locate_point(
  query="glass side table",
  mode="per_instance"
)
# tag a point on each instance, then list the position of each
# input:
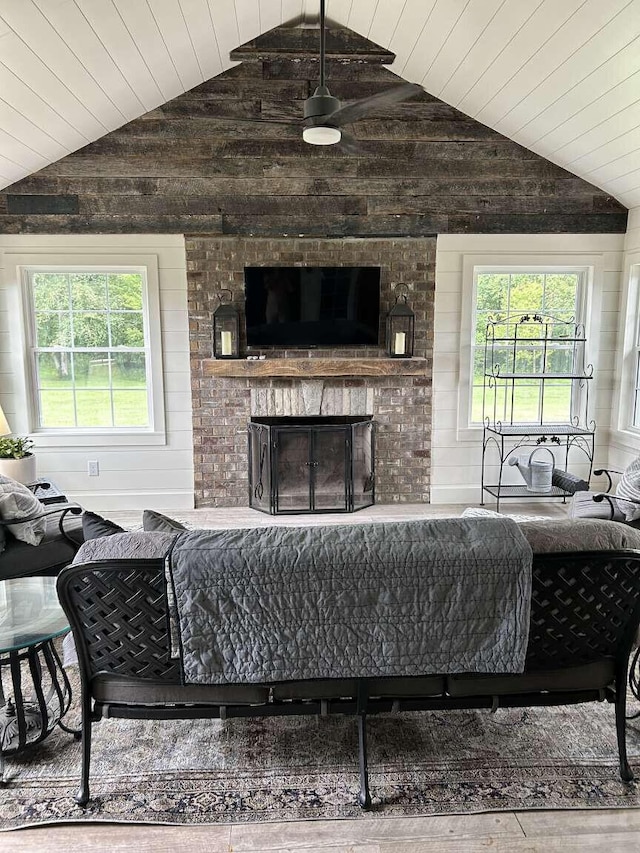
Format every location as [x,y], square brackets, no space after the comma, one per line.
[35,693]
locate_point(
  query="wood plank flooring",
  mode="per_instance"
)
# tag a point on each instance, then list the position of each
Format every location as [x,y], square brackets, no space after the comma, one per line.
[243,516]
[615,830]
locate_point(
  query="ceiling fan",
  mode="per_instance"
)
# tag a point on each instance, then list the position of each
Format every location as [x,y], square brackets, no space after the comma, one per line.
[324,116]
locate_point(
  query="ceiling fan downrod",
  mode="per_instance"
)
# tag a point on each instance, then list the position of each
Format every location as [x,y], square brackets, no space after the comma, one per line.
[322,103]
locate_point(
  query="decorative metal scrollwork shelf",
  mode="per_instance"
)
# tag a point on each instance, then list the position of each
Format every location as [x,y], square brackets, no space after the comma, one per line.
[536,353]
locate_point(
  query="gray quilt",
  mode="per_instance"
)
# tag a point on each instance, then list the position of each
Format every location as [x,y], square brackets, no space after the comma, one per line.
[352,601]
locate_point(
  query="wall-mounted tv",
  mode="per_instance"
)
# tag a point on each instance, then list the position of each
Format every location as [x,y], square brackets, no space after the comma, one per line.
[312,306]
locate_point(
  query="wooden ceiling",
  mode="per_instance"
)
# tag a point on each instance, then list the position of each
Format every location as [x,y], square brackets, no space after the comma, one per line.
[561,77]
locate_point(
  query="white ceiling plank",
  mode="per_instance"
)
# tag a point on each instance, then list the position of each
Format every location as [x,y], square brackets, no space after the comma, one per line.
[616,119]
[12,170]
[540,26]
[198,17]
[248,18]
[630,182]
[141,24]
[612,150]
[630,200]
[361,16]
[20,153]
[614,123]
[337,11]
[385,21]
[433,38]
[292,10]
[226,29]
[609,40]
[109,26]
[171,23]
[80,37]
[270,14]
[592,15]
[487,49]
[29,24]
[41,142]
[616,169]
[474,18]
[606,91]
[29,68]
[413,21]
[16,93]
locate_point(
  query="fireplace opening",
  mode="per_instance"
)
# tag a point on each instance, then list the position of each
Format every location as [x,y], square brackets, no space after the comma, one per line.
[311,464]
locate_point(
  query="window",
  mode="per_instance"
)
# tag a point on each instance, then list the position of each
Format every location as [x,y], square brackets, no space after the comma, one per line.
[501,293]
[635,422]
[90,350]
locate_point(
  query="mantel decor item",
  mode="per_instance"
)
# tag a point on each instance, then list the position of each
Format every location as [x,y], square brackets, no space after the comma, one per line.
[226,328]
[16,459]
[400,326]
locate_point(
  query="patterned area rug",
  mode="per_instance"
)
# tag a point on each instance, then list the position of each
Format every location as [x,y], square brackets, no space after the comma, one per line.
[299,768]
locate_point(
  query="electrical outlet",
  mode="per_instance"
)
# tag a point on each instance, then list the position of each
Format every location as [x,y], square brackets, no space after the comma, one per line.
[93,469]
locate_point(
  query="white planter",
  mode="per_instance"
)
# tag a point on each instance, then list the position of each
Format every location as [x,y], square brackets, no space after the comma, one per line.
[22,470]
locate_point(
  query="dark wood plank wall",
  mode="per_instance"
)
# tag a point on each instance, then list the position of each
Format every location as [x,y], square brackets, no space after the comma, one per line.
[208,163]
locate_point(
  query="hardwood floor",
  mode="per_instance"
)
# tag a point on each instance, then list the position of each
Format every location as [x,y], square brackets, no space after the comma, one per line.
[617,831]
[242,516]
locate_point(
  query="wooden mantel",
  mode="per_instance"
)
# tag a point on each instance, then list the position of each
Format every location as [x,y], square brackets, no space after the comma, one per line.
[306,367]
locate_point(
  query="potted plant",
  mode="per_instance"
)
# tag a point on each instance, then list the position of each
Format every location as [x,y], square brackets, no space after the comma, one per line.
[16,459]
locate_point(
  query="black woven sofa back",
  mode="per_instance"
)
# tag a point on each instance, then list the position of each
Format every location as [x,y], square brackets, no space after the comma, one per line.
[585,607]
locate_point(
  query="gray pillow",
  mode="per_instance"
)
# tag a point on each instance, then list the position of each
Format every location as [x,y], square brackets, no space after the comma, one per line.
[629,487]
[155,521]
[582,534]
[16,501]
[94,526]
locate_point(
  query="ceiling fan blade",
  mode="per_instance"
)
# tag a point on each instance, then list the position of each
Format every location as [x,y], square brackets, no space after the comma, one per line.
[349,144]
[359,109]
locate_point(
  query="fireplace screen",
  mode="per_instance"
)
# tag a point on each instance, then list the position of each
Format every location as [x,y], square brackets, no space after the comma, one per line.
[301,465]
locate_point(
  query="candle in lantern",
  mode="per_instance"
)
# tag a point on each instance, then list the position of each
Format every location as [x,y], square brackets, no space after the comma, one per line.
[399,343]
[225,339]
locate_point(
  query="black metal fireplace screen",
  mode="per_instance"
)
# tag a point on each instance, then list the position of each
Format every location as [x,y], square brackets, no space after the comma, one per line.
[311,464]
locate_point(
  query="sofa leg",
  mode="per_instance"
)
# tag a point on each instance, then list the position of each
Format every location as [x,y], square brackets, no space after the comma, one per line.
[626,773]
[364,797]
[82,797]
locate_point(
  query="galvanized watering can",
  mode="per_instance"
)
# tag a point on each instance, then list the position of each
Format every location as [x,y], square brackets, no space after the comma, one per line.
[536,473]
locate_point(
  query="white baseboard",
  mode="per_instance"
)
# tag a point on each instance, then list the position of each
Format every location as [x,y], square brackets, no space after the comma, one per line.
[108,501]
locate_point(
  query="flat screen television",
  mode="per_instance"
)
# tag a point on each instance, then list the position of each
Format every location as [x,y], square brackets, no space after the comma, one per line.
[312,306]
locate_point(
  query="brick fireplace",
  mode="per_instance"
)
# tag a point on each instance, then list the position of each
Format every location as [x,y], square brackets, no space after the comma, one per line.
[223,405]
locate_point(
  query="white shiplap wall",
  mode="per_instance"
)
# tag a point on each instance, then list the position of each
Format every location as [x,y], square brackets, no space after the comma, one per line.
[456,458]
[625,445]
[131,477]
[561,77]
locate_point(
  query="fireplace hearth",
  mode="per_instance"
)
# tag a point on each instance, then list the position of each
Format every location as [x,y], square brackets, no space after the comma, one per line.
[311,464]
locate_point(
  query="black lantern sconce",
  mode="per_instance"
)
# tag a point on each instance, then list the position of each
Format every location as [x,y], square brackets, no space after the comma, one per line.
[226,328]
[400,326]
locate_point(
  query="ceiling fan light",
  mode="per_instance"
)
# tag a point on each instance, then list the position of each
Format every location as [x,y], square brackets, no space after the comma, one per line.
[321,135]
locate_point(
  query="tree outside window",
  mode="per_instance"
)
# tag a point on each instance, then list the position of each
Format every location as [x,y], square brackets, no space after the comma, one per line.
[90,349]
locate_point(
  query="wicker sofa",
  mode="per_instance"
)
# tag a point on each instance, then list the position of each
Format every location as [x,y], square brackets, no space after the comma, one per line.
[585,613]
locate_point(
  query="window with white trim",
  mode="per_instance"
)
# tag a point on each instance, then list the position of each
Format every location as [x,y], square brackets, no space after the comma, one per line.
[90,349]
[500,293]
[636,390]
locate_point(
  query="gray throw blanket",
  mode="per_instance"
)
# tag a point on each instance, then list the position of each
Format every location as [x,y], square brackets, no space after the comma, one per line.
[352,601]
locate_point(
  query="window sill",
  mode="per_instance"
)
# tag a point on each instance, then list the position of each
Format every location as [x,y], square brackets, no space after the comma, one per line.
[625,439]
[72,439]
